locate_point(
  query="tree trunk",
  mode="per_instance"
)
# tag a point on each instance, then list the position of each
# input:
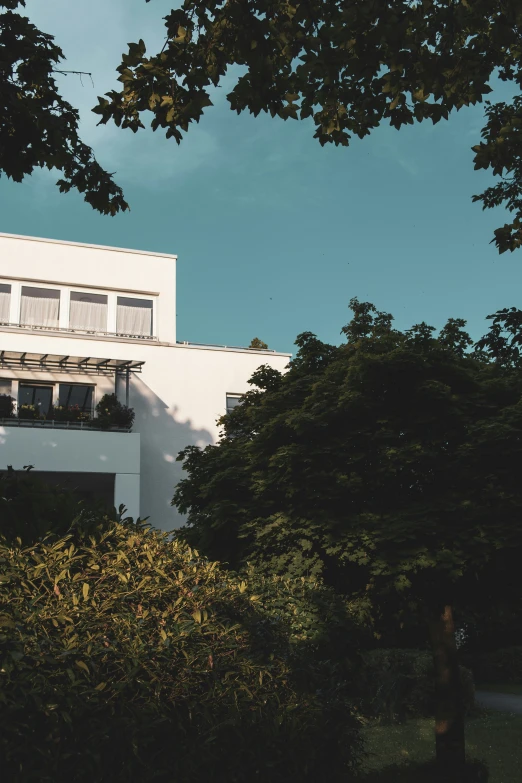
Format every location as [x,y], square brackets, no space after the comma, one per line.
[449,710]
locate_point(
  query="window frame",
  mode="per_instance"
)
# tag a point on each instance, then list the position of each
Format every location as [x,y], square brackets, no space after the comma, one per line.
[231,395]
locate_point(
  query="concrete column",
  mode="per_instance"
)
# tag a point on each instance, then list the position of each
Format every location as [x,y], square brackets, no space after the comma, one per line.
[65,306]
[16,295]
[127,491]
[111,312]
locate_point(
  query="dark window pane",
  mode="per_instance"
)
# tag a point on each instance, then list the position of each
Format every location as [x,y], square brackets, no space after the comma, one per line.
[74,394]
[232,401]
[40,396]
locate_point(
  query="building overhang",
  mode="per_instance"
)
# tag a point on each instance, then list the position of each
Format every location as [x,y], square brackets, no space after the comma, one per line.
[48,362]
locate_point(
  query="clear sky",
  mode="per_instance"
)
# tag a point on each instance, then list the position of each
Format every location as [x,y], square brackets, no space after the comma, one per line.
[274,233]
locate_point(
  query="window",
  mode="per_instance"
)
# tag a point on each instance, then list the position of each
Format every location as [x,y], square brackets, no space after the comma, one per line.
[72,394]
[134,317]
[233,401]
[5,386]
[5,302]
[38,395]
[40,307]
[88,312]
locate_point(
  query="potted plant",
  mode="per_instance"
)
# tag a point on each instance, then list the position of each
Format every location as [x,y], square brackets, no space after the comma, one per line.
[6,406]
[69,413]
[111,413]
[28,412]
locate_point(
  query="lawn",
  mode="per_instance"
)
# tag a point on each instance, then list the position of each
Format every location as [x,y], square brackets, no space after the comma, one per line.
[495,738]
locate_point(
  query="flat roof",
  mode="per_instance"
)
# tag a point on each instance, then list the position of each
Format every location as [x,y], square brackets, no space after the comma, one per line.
[85,244]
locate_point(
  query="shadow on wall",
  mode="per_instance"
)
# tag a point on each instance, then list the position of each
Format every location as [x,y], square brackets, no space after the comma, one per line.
[162,438]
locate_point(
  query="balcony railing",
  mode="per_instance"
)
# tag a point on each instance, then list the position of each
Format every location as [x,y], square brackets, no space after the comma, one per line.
[68,330]
[55,424]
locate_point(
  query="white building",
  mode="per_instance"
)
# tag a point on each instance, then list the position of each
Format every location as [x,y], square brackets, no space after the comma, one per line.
[80,321]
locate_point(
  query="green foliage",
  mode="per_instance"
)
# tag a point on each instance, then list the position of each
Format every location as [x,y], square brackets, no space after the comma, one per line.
[69,413]
[127,656]
[112,413]
[399,684]
[503,665]
[6,406]
[259,344]
[348,66]
[30,508]
[388,464]
[29,412]
[38,128]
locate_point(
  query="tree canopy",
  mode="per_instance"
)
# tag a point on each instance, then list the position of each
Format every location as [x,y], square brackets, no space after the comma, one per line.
[391,456]
[38,128]
[347,64]
[388,465]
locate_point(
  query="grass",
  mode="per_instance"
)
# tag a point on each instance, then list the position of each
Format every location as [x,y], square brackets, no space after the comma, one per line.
[501,687]
[495,738]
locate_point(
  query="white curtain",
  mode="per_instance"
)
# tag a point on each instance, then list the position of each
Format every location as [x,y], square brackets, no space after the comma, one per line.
[89,316]
[39,311]
[134,320]
[5,305]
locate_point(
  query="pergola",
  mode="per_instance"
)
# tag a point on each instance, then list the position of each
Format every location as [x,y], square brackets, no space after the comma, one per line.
[87,365]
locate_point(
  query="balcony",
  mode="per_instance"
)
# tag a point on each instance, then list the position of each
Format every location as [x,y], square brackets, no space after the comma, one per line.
[54,424]
[67,449]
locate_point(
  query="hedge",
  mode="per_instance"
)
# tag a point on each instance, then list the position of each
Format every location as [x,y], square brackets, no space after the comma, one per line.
[396,684]
[504,665]
[126,656]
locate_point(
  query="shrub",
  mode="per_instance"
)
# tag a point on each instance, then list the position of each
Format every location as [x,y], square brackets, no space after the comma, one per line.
[126,656]
[28,412]
[398,684]
[6,406]
[111,413]
[69,413]
[31,508]
[499,666]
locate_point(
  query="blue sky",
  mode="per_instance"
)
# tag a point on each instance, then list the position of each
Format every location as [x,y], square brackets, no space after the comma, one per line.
[275,234]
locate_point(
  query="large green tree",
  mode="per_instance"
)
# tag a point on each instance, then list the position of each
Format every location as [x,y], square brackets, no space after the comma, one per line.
[38,128]
[347,64]
[389,465]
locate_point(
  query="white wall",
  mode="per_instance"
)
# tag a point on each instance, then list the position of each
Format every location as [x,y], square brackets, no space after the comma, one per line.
[91,266]
[177,398]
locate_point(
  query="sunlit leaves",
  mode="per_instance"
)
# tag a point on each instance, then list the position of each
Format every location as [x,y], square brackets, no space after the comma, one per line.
[346,65]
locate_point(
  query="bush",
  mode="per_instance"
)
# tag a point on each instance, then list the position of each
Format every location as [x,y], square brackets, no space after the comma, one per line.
[499,666]
[126,656]
[6,406]
[398,684]
[29,412]
[69,413]
[111,413]
[30,508]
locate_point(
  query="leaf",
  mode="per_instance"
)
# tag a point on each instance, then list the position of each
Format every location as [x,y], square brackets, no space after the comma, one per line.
[100,686]
[85,591]
[83,666]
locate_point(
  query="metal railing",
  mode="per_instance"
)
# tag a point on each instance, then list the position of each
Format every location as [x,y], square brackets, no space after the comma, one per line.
[69,330]
[91,424]
[231,347]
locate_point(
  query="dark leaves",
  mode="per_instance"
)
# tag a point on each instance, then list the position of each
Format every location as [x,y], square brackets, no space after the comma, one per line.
[38,128]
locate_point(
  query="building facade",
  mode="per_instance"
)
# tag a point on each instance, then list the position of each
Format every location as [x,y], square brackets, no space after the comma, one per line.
[78,322]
